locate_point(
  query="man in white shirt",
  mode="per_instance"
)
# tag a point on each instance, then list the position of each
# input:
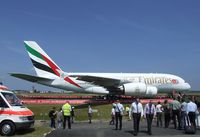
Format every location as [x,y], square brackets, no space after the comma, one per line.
[159,114]
[191,111]
[119,108]
[183,112]
[136,111]
[149,114]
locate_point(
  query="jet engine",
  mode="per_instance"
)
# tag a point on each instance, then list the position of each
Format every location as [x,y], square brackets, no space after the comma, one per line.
[151,90]
[97,90]
[132,89]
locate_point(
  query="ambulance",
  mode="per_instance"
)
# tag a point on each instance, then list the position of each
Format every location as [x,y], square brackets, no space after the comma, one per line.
[13,114]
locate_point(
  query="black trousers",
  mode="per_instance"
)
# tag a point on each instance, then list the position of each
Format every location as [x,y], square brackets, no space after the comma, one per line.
[112,121]
[67,118]
[192,117]
[159,119]
[149,118]
[176,115]
[53,123]
[90,117]
[167,119]
[136,122]
[183,115]
[118,118]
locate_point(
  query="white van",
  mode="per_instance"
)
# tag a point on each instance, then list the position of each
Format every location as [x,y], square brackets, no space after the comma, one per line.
[13,115]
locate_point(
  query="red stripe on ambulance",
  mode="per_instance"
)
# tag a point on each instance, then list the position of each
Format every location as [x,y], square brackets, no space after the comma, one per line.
[20,113]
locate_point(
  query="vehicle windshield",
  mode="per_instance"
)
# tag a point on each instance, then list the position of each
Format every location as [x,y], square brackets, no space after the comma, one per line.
[12,99]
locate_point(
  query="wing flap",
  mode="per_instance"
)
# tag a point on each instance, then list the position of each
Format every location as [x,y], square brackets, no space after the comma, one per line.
[29,77]
[101,81]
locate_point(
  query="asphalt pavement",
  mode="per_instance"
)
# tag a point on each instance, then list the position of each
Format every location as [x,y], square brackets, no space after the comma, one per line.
[103,129]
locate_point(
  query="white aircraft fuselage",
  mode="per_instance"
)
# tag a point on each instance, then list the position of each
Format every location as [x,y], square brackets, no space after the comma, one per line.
[142,84]
[165,83]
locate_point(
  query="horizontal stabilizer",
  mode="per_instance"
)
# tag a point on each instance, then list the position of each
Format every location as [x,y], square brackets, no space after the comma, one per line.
[29,77]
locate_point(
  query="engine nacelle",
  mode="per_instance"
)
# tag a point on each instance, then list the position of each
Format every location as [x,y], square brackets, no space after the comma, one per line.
[97,90]
[135,89]
[131,89]
[151,91]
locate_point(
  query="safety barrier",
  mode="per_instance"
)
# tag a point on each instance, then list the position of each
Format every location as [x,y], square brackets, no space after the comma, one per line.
[78,102]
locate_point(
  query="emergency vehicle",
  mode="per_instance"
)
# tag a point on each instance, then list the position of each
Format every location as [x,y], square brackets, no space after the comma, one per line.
[13,114]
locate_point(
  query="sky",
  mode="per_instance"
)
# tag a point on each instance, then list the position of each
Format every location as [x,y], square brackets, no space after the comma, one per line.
[102,36]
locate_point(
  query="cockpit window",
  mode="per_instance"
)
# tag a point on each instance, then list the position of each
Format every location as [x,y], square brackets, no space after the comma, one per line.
[12,99]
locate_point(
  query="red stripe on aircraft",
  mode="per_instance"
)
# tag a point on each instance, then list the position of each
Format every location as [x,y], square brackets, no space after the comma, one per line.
[55,68]
[52,65]
[71,82]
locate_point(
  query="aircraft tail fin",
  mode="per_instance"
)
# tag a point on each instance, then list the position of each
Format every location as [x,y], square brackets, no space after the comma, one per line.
[43,64]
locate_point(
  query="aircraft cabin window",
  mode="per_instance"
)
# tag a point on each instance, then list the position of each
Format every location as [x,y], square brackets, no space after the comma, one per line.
[3,103]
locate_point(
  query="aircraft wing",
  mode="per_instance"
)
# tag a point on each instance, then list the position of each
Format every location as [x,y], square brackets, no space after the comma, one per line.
[101,81]
[29,77]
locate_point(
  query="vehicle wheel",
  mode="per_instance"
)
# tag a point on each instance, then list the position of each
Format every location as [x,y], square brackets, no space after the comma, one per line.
[7,128]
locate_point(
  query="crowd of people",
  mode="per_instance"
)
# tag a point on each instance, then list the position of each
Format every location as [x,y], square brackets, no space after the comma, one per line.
[175,112]
[65,115]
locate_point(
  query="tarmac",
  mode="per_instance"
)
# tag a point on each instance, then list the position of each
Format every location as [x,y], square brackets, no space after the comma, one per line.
[103,129]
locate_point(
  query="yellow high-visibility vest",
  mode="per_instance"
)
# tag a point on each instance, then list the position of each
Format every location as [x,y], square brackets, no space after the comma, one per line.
[127,108]
[66,109]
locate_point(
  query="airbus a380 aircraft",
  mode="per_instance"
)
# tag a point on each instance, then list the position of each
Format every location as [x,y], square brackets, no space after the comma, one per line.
[142,84]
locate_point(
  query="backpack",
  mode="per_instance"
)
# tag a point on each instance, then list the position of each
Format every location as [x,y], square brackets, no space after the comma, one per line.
[189,128]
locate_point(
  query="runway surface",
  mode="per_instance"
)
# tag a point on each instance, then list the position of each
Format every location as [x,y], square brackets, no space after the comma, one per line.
[103,129]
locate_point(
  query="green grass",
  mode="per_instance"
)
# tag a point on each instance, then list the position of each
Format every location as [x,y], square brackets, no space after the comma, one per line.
[38,131]
[41,111]
[103,112]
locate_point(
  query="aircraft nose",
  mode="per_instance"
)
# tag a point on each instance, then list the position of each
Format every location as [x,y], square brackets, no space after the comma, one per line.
[187,86]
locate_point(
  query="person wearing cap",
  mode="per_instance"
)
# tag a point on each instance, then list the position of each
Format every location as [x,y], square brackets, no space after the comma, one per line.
[136,112]
[149,114]
[66,108]
[119,109]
